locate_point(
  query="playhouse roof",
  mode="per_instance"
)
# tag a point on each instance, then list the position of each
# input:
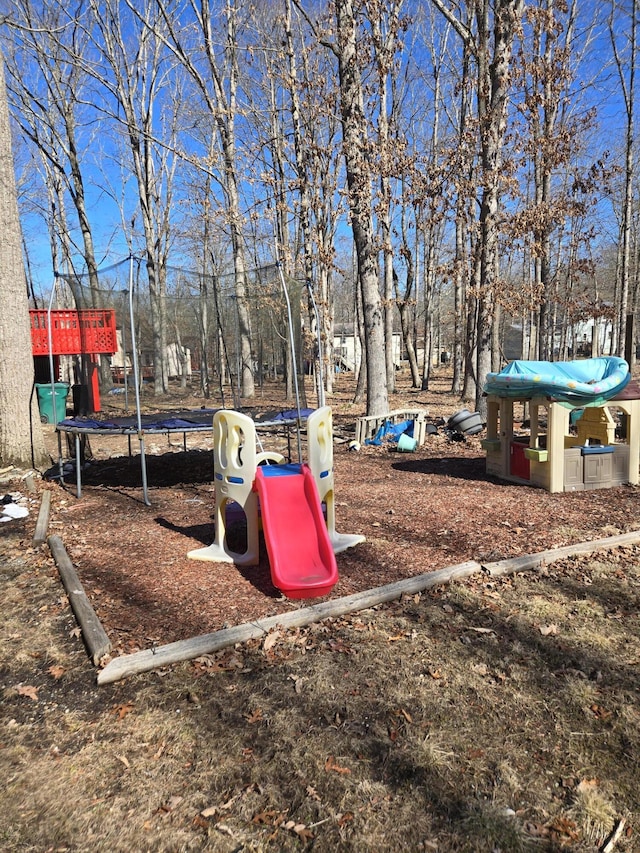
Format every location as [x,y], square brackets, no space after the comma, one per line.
[586,382]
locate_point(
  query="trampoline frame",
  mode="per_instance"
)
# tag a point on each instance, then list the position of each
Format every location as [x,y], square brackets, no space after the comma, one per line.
[153,426]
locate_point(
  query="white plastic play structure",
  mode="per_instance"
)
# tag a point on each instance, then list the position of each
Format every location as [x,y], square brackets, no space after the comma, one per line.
[301,544]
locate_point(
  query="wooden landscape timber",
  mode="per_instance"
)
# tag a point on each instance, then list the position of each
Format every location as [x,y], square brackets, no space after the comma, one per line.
[542,558]
[42,524]
[183,650]
[94,635]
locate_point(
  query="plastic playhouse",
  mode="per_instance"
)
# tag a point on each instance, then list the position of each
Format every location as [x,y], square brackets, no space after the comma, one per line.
[293,502]
[573,442]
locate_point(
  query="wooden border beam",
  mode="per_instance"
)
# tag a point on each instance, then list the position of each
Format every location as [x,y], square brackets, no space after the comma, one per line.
[42,524]
[183,650]
[93,634]
[542,558]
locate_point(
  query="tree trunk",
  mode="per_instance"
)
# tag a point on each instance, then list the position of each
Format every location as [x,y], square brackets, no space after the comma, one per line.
[406,303]
[361,205]
[461,266]
[628,87]
[384,44]
[21,440]
[493,90]
[303,181]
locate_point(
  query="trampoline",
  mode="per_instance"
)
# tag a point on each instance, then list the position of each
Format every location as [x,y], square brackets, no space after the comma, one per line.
[162,423]
[199,420]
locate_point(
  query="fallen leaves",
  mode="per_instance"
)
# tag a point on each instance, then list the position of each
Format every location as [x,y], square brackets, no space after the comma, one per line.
[279,643]
[56,671]
[563,830]
[211,811]
[254,716]
[339,645]
[300,829]
[271,639]
[277,819]
[330,765]
[27,690]
[169,805]
[121,711]
[381,684]
[298,682]
[158,753]
[272,817]
[227,660]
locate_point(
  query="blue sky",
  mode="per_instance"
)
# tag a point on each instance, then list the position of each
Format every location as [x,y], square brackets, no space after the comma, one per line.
[102,172]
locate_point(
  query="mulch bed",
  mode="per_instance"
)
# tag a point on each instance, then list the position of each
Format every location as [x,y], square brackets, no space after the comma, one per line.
[419,511]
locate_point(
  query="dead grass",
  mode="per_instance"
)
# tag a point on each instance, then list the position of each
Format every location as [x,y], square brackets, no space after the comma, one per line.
[451,721]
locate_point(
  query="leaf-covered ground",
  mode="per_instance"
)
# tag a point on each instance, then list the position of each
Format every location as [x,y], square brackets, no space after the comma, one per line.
[489,714]
[419,512]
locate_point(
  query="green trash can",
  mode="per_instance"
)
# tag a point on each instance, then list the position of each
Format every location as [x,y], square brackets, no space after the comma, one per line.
[46,401]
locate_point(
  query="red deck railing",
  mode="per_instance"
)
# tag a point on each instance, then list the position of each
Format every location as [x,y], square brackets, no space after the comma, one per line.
[74,332]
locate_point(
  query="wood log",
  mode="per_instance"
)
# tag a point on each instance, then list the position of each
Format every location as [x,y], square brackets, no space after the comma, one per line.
[615,837]
[542,558]
[95,638]
[42,523]
[182,650]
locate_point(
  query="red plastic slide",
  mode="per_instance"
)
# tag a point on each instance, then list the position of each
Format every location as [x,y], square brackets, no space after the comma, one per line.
[302,561]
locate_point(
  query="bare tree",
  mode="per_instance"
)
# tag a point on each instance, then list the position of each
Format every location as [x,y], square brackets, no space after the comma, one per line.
[406,297]
[313,99]
[625,58]
[546,75]
[386,27]
[217,79]
[21,440]
[47,105]
[491,42]
[464,342]
[359,181]
[133,69]
[430,196]
[48,42]
[559,184]
[302,153]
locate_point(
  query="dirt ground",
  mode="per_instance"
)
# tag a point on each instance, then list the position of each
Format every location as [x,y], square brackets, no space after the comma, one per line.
[483,715]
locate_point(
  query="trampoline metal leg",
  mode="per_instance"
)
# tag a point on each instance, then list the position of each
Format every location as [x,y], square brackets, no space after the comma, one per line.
[78,467]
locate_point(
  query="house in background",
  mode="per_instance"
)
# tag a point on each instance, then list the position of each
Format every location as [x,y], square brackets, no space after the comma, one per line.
[347,350]
[174,362]
[585,339]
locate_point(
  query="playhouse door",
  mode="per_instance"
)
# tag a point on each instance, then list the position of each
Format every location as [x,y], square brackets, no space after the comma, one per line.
[519,464]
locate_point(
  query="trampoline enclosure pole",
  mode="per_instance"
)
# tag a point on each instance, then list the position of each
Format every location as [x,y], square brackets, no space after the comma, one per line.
[293,358]
[319,342]
[136,374]
[52,378]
